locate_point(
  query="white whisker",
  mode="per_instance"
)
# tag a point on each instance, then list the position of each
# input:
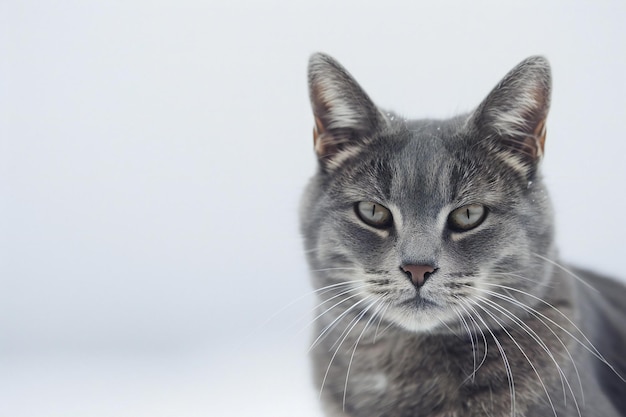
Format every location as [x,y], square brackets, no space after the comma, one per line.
[518,276]
[335,269]
[535,314]
[320,291]
[336,320]
[591,348]
[505,360]
[542,344]
[477,326]
[345,388]
[349,328]
[471,336]
[569,272]
[334,305]
[382,314]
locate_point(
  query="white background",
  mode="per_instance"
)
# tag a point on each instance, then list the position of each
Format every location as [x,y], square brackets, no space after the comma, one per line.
[152,156]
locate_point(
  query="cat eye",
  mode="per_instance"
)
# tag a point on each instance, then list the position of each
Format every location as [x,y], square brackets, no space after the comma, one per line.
[467,217]
[373,214]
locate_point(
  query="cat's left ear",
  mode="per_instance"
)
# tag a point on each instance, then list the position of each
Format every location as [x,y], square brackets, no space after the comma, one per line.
[512,119]
[344,114]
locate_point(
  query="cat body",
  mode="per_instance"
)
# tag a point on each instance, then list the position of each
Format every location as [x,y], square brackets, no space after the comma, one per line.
[432,253]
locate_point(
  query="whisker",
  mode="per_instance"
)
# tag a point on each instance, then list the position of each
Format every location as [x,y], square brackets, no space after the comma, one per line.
[505,360]
[531,311]
[380,320]
[345,388]
[477,326]
[349,328]
[382,332]
[336,269]
[321,291]
[344,331]
[360,287]
[471,336]
[592,349]
[485,344]
[568,271]
[335,305]
[336,320]
[542,344]
[499,323]
[337,285]
[534,281]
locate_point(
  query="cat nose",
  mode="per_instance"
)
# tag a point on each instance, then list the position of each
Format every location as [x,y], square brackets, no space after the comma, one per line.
[418,273]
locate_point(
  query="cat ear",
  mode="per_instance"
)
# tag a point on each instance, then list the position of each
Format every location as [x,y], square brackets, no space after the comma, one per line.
[344,114]
[513,116]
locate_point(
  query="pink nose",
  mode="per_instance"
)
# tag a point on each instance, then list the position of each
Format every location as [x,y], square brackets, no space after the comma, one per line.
[418,273]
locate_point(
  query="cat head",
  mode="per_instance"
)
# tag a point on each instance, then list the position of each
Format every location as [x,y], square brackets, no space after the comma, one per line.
[421,218]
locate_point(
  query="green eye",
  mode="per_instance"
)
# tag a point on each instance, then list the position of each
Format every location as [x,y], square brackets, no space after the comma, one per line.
[467,217]
[373,214]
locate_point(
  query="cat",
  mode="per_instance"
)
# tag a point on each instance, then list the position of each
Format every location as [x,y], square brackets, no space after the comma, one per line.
[432,254]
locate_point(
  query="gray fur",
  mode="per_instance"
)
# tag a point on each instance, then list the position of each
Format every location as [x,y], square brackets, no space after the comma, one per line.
[383,347]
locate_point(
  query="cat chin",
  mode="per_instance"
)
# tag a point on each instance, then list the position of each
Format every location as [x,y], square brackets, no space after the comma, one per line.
[419,327]
[417,320]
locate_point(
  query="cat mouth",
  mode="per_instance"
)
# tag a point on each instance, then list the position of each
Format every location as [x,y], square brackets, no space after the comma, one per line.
[419,302]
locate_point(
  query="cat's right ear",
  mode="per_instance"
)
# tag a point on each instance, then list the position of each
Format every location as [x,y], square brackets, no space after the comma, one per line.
[344,114]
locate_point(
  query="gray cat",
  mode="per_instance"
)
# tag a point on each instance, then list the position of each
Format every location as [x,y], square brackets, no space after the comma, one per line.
[431,245]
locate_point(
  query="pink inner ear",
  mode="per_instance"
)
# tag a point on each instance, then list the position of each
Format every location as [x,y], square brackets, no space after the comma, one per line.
[540,137]
[539,132]
[320,143]
[317,131]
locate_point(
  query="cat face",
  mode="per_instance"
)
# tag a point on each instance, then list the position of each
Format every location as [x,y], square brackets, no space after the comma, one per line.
[420,218]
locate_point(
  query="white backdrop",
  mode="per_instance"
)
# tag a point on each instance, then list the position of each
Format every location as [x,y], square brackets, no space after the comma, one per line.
[152,156]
